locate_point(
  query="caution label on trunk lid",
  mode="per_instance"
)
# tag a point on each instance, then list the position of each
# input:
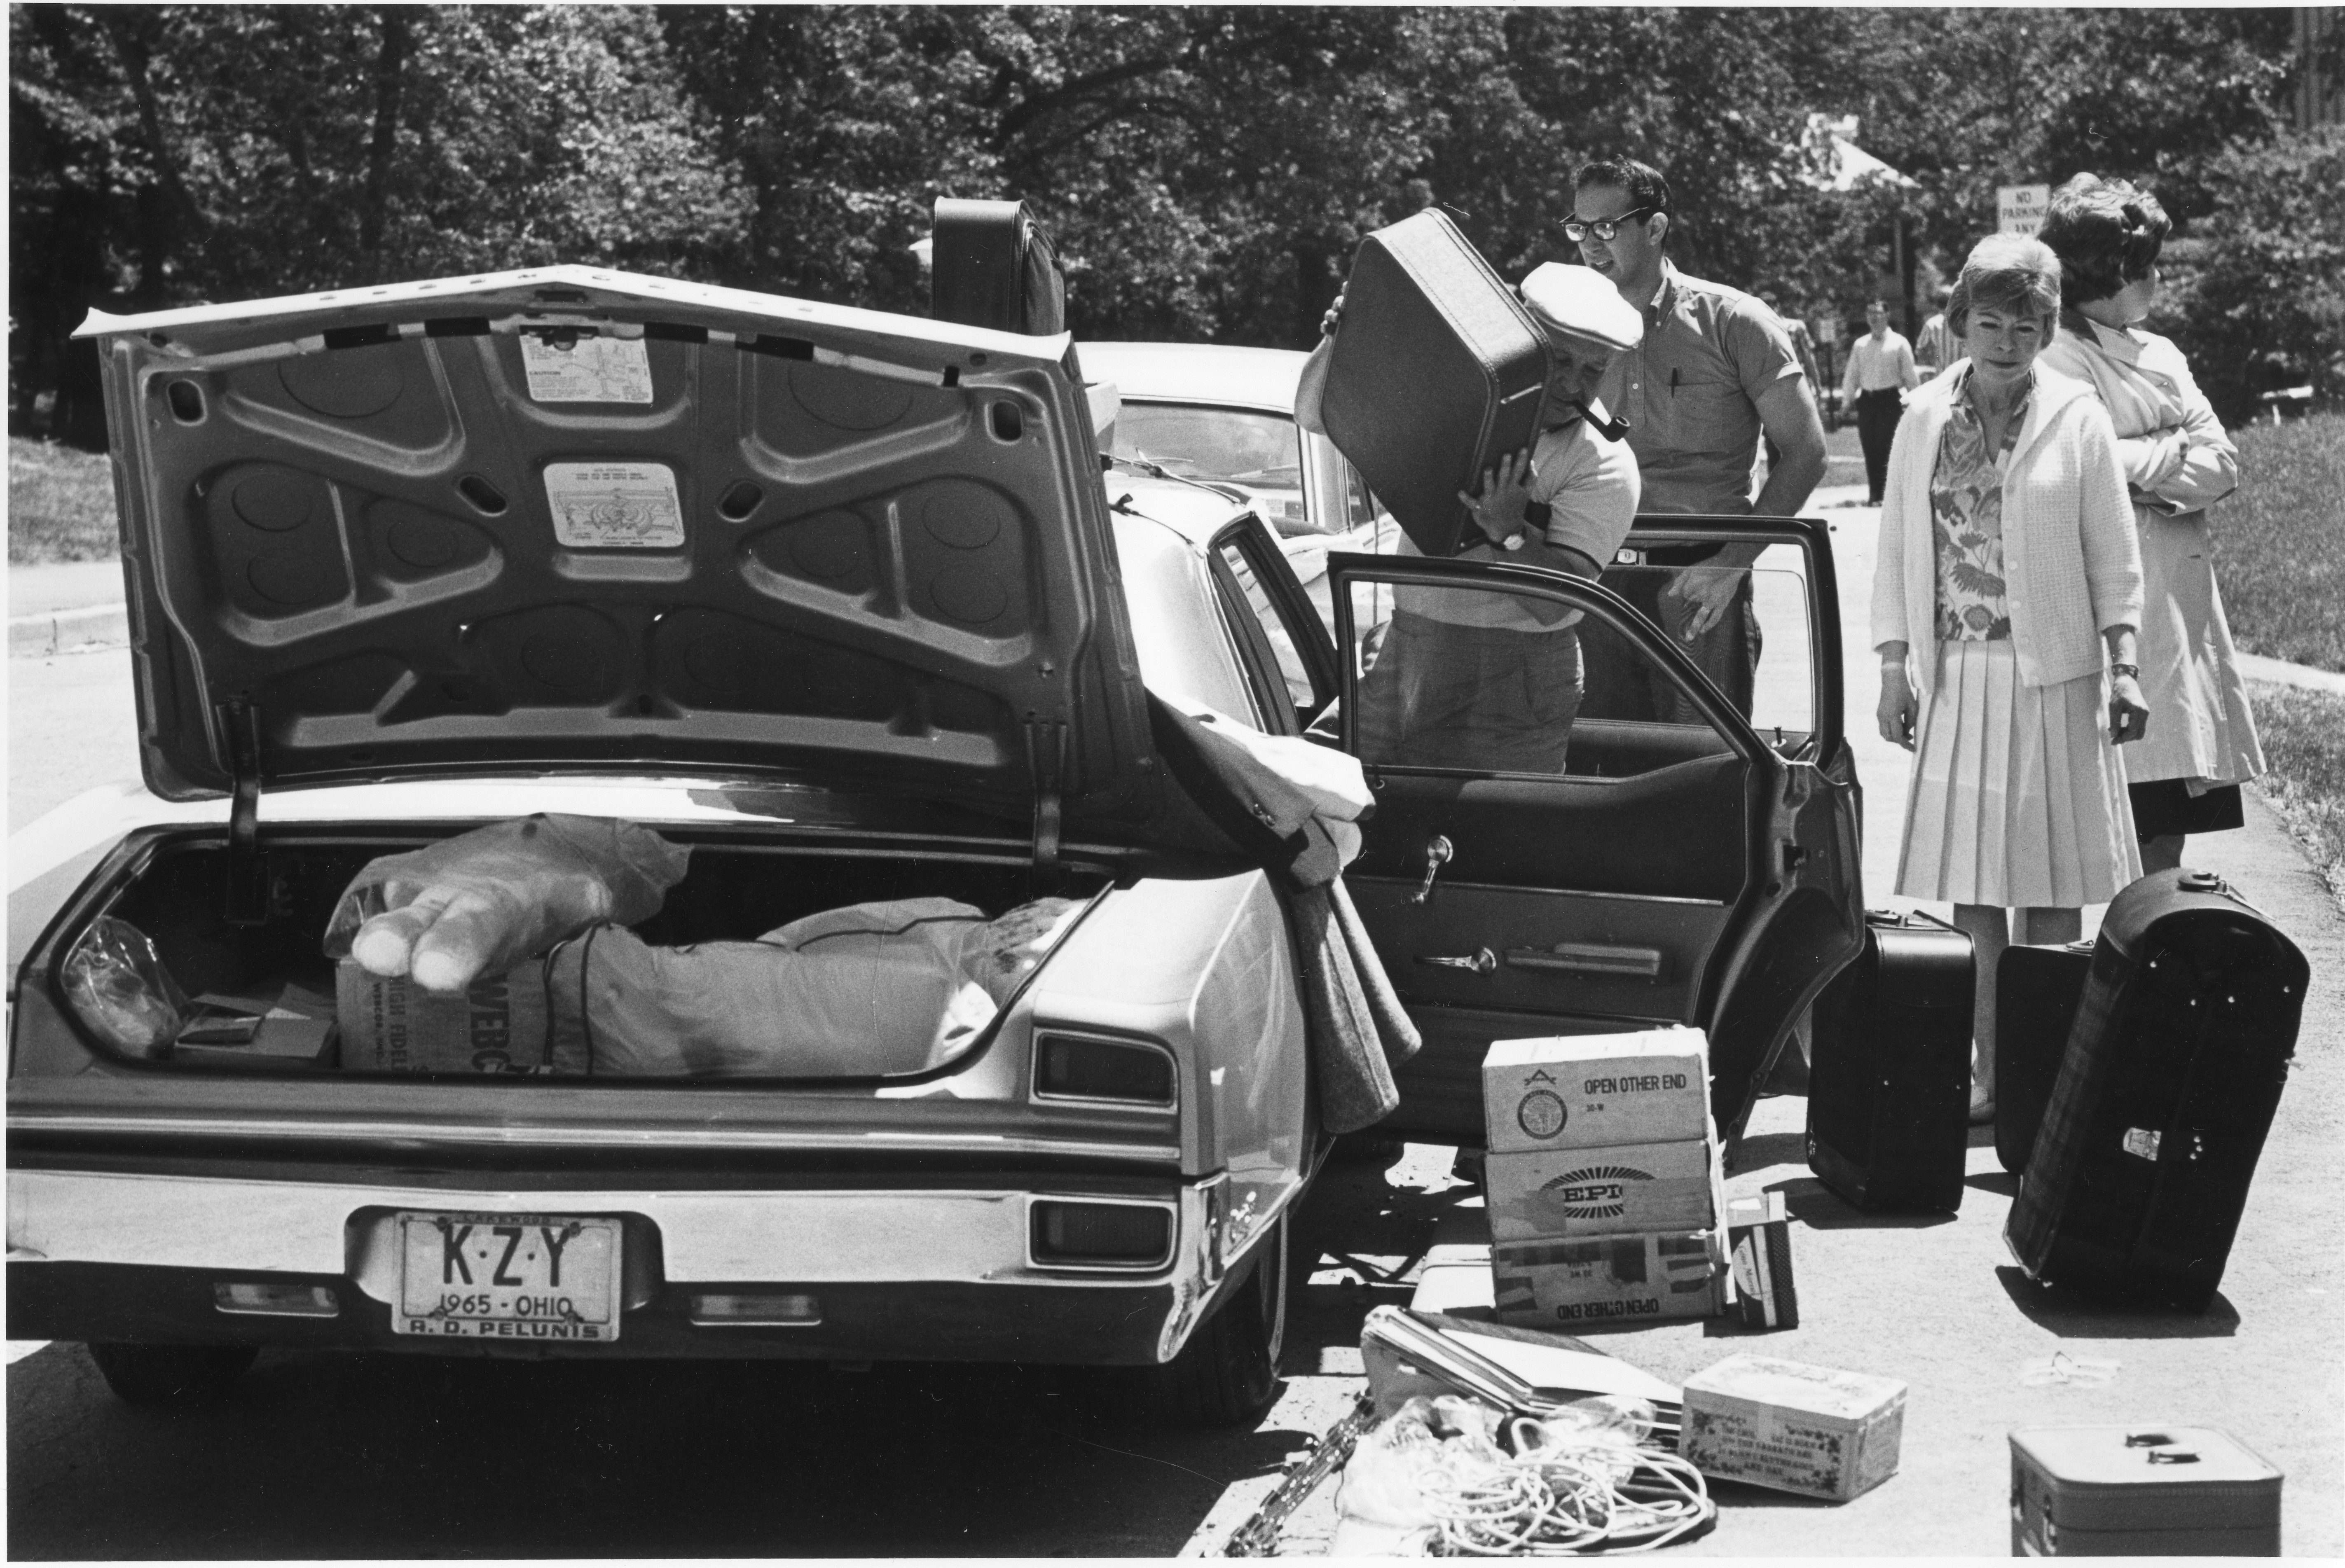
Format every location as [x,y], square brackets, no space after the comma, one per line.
[614,506]
[574,369]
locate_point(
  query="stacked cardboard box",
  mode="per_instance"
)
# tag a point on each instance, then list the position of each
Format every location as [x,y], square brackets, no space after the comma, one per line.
[1603,1178]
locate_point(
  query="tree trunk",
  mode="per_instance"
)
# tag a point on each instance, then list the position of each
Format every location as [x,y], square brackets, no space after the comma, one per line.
[390,69]
[1315,288]
[167,214]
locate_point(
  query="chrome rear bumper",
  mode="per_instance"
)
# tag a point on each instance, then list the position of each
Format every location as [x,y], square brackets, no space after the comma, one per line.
[899,1249]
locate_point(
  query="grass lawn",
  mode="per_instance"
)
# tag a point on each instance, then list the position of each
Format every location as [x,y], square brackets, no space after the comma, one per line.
[60,504]
[2303,734]
[2280,542]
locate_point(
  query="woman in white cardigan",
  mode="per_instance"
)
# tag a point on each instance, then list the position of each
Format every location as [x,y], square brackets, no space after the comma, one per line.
[2184,777]
[2007,569]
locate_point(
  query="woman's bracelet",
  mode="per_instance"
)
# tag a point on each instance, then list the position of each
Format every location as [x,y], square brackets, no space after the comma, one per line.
[2132,670]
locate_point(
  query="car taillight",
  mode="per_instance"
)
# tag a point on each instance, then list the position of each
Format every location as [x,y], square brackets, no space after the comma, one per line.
[1101,1235]
[1128,1072]
[271,1301]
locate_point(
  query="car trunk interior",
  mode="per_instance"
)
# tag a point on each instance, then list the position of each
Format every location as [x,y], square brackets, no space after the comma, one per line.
[736,890]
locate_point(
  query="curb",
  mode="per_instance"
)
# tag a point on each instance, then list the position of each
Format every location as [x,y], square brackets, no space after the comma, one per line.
[69,631]
[2280,672]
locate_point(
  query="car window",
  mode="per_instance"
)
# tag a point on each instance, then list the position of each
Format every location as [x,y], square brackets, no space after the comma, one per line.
[1360,505]
[1254,455]
[1254,615]
[1496,681]
[1780,699]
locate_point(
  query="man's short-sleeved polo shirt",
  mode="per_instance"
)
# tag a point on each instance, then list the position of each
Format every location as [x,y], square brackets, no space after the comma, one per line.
[1689,392]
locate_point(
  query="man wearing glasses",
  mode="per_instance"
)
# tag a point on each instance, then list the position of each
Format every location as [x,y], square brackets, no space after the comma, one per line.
[1715,372]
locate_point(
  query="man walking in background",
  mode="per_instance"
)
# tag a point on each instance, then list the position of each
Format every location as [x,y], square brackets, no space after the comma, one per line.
[1935,349]
[1716,371]
[1880,373]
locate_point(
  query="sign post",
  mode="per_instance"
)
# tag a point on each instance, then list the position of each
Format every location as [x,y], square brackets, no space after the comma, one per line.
[2019,208]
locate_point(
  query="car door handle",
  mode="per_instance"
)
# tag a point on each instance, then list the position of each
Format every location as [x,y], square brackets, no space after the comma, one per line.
[1481,961]
[1437,853]
[1591,958]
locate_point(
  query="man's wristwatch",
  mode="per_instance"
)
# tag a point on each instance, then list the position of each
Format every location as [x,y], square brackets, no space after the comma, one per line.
[1512,542]
[2132,670]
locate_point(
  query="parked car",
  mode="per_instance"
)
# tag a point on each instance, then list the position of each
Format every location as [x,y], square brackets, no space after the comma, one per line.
[839,599]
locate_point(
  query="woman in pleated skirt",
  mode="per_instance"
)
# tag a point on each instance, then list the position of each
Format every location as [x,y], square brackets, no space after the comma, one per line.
[2006,595]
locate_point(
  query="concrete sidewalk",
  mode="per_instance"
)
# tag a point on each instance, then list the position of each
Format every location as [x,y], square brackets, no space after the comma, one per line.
[73,604]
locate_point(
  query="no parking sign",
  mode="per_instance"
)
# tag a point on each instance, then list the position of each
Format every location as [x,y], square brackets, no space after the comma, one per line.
[2019,208]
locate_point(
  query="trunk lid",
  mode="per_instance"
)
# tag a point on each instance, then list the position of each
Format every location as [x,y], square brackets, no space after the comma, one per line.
[569,518]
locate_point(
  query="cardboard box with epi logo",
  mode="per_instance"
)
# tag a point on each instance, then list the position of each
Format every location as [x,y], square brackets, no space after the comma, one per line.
[1590,1091]
[1554,1194]
[393,1025]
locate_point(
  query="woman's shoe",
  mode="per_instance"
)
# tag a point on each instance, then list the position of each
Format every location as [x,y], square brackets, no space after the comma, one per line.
[1982,1106]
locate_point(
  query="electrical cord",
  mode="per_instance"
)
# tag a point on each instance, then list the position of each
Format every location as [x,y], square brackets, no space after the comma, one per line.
[1561,1496]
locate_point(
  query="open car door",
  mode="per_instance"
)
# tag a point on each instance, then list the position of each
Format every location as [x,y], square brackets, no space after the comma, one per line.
[1678,856]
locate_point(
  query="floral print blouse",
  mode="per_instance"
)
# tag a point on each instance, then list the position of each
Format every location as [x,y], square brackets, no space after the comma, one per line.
[1966,515]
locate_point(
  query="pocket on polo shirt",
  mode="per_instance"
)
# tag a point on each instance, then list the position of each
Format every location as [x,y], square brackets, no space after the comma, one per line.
[1699,397]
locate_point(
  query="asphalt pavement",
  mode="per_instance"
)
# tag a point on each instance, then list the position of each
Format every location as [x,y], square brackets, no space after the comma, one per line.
[327,1456]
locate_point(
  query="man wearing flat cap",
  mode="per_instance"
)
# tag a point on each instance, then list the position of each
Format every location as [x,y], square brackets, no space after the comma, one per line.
[1473,678]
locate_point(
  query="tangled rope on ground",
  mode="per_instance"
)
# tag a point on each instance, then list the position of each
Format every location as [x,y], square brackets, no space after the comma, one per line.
[1563,1493]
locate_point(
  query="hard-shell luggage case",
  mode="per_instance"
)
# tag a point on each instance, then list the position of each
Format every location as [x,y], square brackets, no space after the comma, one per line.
[991,263]
[2036,990]
[2173,1071]
[2141,1490]
[1436,373]
[1890,1069]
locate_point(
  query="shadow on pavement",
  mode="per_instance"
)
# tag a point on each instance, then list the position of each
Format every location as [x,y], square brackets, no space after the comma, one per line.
[1743,1494]
[1814,1204]
[1761,1150]
[2001,1183]
[328,1455]
[2072,1316]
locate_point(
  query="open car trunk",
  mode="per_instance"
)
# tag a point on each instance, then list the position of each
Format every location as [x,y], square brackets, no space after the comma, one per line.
[171,887]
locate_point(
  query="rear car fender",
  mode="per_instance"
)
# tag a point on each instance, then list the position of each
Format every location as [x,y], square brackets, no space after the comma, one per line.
[1207,969]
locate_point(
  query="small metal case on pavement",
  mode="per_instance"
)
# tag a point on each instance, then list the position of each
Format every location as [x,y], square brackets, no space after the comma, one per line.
[2144,1491]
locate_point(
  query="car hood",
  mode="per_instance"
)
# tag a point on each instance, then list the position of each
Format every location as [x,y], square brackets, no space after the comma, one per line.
[570,518]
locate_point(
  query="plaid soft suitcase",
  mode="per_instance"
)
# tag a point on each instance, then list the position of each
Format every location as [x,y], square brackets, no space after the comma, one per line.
[2181,1047]
[1436,373]
[1889,1067]
[991,263]
[2036,990]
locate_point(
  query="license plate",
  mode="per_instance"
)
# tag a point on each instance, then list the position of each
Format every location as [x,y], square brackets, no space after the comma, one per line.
[523,1277]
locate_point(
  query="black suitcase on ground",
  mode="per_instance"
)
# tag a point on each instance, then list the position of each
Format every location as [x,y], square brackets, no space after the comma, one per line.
[2173,1071]
[2036,990]
[1436,373]
[991,265]
[1889,1069]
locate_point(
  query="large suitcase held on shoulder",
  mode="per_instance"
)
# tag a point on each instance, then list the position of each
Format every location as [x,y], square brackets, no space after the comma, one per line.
[991,263]
[2171,1077]
[1889,1071]
[2036,990]
[1436,373]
